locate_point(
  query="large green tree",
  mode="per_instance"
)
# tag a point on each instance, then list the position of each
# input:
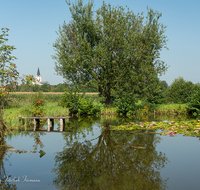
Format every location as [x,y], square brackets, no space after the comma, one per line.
[111,45]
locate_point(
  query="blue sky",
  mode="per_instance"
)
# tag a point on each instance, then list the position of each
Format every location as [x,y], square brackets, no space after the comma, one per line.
[33,25]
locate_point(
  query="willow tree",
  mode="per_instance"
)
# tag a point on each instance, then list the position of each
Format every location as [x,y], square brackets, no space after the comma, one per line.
[111,45]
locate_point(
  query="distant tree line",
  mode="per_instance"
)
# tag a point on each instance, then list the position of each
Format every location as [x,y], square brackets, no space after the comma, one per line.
[91,86]
[180,91]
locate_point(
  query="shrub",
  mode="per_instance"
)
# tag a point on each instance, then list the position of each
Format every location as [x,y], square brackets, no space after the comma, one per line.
[79,103]
[126,104]
[96,107]
[84,106]
[194,104]
[38,102]
[70,99]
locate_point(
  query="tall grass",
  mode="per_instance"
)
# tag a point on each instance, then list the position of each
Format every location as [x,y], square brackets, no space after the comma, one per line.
[53,109]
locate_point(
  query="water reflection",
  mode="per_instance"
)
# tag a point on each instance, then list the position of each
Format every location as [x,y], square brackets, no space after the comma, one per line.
[92,157]
[4,178]
[111,161]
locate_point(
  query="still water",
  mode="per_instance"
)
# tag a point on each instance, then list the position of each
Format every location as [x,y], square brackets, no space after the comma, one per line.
[87,156]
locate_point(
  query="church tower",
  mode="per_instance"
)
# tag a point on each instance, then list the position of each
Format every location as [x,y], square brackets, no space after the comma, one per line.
[38,76]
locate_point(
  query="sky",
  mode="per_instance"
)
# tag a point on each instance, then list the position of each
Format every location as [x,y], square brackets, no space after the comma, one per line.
[33,24]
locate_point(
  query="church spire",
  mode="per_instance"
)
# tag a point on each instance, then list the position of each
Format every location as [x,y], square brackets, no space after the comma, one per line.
[38,72]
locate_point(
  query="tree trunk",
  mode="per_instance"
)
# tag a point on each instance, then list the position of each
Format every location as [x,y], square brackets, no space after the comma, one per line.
[107,96]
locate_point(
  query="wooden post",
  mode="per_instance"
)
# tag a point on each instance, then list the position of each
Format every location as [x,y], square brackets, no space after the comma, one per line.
[34,120]
[52,126]
[61,124]
[49,123]
[38,122]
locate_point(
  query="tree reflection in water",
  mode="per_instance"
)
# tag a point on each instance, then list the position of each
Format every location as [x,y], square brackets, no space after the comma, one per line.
[4,183]
[110,163]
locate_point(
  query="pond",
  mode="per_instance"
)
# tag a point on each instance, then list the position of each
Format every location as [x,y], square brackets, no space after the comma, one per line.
[88,156]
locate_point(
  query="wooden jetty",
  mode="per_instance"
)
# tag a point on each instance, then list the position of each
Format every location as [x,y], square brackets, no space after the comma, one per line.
[50,120]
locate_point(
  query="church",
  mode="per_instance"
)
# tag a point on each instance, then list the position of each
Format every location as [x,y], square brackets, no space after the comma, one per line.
[38,79]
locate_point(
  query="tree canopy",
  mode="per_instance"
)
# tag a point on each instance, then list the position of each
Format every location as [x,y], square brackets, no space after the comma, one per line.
[111,45]
[180,91]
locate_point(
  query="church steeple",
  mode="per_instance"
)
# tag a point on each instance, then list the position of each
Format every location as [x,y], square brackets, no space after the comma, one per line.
[38,76]
[38,72]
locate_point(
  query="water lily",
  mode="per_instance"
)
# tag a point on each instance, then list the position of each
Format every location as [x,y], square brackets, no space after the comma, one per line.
[172,126]
[153,123]
[196,131]
[183,127]
[171,132]
[175,132]
[170,123]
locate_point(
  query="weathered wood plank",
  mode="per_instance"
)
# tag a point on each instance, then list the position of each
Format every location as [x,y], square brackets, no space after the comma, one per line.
[44,117]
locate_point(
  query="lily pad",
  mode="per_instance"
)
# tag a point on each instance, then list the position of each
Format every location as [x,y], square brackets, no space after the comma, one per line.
[188,128]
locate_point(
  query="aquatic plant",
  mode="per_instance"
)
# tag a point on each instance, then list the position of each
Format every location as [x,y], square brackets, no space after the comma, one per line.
[188,128]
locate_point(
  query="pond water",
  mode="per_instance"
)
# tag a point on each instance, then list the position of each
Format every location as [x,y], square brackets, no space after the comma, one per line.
[87,156]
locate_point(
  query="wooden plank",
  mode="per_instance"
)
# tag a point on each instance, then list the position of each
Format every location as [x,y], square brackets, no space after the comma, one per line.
[44,117]
[56,131]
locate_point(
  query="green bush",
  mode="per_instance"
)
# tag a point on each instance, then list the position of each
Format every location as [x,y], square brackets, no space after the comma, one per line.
[194,104]
[70,99]
[38,112]
[84,106]
[38,102]
[96,107]
[79,103]
[126,104]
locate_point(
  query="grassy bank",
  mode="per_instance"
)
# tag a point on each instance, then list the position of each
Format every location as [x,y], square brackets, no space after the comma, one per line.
[11,115]
[20,105]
